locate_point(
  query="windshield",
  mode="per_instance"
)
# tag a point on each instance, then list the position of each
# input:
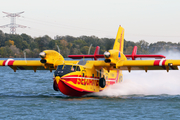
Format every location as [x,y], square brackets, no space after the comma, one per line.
[60,67]
[68,68]
[65,69]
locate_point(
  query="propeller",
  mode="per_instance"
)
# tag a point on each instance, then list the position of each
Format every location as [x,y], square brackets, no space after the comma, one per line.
[58,49]
[89,49]
[25,56]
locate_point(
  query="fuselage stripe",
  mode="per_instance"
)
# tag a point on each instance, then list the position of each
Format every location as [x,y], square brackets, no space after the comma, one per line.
[121,40]
[117,76]
[84,78]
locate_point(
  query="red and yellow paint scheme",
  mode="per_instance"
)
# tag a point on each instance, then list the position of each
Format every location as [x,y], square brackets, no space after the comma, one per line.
[81,77]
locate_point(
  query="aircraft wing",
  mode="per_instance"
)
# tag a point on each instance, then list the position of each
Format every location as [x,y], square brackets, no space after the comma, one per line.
[23,64]
[146,65]
[32,64]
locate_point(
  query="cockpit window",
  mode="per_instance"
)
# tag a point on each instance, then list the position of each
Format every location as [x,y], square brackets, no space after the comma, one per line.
[65,69]
[60,67]
[69,68]
[76,68]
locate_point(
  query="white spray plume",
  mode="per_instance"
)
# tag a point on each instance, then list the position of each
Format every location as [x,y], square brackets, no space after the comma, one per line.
[150,83]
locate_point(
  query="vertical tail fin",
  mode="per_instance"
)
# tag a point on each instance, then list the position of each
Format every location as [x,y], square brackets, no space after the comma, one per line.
[96,52]
[119,42]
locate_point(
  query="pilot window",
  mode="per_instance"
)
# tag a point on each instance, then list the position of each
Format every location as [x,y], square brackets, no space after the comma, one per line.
[69,68]
[60,67]
[75,68]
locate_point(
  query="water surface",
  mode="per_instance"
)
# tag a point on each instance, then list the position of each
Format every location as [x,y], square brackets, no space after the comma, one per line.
[29,95]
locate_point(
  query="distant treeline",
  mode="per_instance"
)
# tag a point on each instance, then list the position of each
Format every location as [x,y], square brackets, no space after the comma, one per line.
[13,45]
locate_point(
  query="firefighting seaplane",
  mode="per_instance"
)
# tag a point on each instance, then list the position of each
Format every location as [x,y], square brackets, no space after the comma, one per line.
[81,77]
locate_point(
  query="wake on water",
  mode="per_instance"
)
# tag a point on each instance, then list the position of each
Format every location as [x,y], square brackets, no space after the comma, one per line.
[150,83]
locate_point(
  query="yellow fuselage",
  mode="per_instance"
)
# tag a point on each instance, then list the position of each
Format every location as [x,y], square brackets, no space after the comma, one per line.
[86,80]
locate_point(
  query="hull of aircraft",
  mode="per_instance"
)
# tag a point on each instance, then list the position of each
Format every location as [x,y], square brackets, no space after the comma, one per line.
[70,90]
[77,86]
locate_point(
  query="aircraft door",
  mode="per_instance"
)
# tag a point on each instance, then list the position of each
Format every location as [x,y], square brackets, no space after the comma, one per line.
[83,77]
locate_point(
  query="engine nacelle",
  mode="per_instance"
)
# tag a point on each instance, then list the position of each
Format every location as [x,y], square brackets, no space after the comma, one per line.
[50,58]
[113,56]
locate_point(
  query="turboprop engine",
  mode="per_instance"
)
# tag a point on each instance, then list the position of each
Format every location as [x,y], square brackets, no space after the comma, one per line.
[113,56]
[51,58]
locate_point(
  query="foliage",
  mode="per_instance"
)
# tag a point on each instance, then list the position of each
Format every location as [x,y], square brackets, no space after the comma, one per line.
[15,45]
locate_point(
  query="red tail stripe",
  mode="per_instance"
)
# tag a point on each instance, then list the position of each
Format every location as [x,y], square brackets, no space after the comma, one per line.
[121,41]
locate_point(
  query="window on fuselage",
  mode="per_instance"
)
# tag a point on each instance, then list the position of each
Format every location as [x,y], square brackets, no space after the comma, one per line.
[92,75]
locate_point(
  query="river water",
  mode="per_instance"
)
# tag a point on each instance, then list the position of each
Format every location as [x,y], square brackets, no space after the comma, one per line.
[29,95]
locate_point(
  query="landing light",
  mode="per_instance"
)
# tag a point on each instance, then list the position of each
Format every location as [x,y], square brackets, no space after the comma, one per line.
[42,54]
[107,54]
[170,64]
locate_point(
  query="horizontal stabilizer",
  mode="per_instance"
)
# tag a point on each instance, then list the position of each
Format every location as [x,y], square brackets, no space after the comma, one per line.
[134,55]
[145,56]
[85,56]
[95,56]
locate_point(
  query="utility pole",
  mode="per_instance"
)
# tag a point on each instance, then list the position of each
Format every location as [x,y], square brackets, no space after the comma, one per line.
[13,24]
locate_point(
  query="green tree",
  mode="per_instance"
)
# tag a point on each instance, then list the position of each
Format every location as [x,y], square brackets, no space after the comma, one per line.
[5,52]
[25,45]
[43,42]
[84,50]
[143,47]
[2,38]
[52,44]
[27,38]
[128,47]
[33,45]
[18,40]
[9,43]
